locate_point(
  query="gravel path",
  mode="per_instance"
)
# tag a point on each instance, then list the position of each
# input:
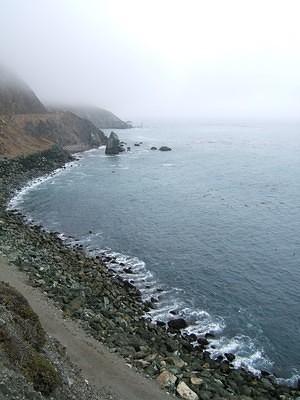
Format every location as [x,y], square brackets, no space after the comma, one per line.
[106,371]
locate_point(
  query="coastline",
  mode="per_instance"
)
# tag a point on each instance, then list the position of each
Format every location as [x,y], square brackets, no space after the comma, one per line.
[111,309]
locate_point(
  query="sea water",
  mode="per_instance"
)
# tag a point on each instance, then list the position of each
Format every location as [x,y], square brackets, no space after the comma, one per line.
[209,229]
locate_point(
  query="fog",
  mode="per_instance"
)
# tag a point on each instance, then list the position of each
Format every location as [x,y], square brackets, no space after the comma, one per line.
[158,59]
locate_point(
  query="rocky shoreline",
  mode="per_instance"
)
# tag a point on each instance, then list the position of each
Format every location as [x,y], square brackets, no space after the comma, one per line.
[111,309]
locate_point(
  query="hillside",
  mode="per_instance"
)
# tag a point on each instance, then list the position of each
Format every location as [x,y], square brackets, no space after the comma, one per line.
[28,133]
[13,142]
[16,97]
[26,126]
[101,118]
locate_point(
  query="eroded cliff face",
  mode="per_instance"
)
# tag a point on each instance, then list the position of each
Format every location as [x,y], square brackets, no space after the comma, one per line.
[65,129]
[27,127]
[23,134]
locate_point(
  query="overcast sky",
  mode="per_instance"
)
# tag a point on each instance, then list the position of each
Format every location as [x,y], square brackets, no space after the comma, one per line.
[158,58]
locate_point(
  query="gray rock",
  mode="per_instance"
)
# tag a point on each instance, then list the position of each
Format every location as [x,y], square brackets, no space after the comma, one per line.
[177,324]
[113,144]
[166,379]
[165,148]
[185,392]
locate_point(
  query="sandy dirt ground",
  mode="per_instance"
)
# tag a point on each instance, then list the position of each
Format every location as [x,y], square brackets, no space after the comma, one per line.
[106,371]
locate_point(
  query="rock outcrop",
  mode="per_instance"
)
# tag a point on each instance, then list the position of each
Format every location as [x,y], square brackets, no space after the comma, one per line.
[27,127]
[113,144]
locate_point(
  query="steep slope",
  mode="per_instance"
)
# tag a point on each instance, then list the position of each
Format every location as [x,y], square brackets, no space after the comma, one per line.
[101,118]
[28,133]
[16,97]
[27,127]
[13,142]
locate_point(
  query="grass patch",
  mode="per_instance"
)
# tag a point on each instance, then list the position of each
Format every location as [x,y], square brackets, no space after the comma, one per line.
[22,338]
[23,315]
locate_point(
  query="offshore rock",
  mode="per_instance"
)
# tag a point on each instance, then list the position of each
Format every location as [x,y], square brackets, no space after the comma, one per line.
[113,144]
[165,148]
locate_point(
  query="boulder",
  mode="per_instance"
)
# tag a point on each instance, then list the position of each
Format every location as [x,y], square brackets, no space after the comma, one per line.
[165,148]
[202,341]
[153,148]
[176,361]
[185,392]
[230,357]
[166,379]
[175,325]
[113,144]
[196,380]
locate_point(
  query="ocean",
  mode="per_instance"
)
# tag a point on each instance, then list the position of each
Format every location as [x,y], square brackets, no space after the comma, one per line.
[210,230]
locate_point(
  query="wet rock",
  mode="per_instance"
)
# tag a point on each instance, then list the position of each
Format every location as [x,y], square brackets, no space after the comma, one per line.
[230,357]
[175,325]
[153,148]
[128,270]
[185,392]
[165,148]
[224,367]
[191,337]
[202,341]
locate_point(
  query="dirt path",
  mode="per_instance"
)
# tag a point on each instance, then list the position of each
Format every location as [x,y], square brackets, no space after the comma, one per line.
[106,371]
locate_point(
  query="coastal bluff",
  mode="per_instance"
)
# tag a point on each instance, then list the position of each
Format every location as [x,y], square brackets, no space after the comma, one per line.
[27,126]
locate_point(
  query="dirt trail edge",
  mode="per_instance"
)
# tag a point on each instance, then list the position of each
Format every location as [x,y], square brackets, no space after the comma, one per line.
[105,370]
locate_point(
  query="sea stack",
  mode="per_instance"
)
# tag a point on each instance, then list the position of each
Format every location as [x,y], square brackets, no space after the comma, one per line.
[113,144]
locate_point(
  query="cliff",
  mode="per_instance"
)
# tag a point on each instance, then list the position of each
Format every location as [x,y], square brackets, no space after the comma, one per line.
[27,127]
[101,118]
[63,128]
[23,134]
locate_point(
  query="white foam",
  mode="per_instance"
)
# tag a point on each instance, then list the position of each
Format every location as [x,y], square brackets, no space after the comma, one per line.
[169,304]
[246,353]
[17,199]
[292,381]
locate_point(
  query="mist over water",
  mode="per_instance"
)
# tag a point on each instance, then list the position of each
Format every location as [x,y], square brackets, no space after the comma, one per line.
[214,224]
